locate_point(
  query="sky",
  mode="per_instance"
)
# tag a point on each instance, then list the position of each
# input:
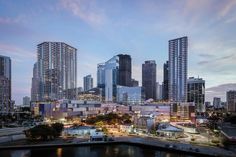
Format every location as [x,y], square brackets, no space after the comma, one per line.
[100,29]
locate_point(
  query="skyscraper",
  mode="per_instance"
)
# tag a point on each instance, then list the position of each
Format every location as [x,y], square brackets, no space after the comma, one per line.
[217,102]
[124,76]
[57,69]
[111,78]
[35,84]
[88,82]
[196,93]
[149,79]
[178,51]
[231,101]
[115,71]
[26,101]
[5,84]
[159,91]
[165,91]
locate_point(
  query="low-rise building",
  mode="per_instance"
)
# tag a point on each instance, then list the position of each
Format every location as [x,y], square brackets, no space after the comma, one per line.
[144,123]
[97,136]
[166,129]
[228,133]
[182,111]
[80,131]
[126,128]
[231,101]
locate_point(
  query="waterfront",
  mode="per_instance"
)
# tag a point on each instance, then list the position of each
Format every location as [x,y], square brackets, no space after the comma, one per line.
[121,150]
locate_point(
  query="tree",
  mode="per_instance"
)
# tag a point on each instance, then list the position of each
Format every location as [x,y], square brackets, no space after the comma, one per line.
[40,132]
[99,124]
[104,129]
[58,128]
[44,132]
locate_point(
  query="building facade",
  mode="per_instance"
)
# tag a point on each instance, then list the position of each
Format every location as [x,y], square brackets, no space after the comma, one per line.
[180,111]
[26,101]
[149,79]
[6,104]
[116,71]
[125,66]
[159,91]
[196,93]
[231,101]
[165,90]
[134,83]
[178,51]
[35,84]
[57,69]
[88,82]
[217,102]
[130,95]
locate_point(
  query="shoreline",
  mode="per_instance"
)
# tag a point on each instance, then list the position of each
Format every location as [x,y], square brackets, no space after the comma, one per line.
[137,141]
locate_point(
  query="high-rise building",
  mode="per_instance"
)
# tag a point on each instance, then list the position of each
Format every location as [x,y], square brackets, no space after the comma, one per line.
[149,79]
[88,82]
[116,71]
[134,83]
[165,90]
[216,103]
[208,104]
[101,77]
[26,101]
[6,104]
[124,76]
[231,101]
[178,51]
[196,93]
[57,69]
[159,91]
[35,84]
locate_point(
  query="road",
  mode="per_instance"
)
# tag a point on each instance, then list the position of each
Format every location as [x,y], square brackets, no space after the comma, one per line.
[214,151]
[12,131]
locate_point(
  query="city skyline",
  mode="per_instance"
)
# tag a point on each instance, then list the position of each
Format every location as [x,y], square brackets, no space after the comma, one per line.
[100,31]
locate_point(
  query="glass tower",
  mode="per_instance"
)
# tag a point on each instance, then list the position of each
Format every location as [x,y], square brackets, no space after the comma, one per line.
[57,69]
[178,51]
[88,82]
[165,91]
[196,93]
[115,71]
[149,79]
[5,85]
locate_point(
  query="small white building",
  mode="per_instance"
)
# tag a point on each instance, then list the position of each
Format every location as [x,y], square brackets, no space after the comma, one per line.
[80,131]
[97,136]
[126,128]
[166,129]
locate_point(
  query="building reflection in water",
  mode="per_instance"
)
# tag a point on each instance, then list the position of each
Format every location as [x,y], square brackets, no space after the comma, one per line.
[59,152]
[20,153]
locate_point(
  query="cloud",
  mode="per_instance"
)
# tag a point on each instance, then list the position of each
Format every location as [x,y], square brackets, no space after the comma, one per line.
[227,7]
[219,91]
[230,20]
[206,55]
[86,10]
[7,20]
[19,19]
[15,52]
[203,62]
[219,59]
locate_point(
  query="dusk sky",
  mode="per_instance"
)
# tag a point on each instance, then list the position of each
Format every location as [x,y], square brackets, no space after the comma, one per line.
[100,29]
